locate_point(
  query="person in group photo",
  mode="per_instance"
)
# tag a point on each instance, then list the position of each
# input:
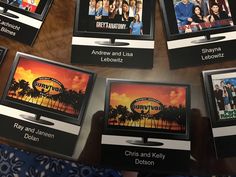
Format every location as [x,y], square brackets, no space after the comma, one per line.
[112,8]
[125,11]
[230,94]
[222,5]
[184,12]
[222,84]
[115,10]
[10,1]
[132,8]
[119,4]
[92,7]
[234,96]
[98,13]
[136,26]
[139,9]
[203,6]
[198,18]
[105,8]
[226,99]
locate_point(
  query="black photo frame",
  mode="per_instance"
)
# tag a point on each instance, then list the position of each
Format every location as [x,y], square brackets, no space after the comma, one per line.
[221,114]
[3,51]
[83,23]
[135,112]
[38,109]
[171,25]
[145,132]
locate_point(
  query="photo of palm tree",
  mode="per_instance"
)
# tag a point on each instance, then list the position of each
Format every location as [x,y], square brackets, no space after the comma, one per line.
[159,107]
[50,86]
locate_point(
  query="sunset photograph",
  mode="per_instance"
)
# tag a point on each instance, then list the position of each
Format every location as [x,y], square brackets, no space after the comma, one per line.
[155,106]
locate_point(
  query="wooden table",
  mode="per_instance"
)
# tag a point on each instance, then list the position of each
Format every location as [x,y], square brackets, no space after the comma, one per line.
[54,42]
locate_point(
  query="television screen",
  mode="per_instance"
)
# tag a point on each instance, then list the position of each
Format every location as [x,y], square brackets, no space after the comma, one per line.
[123,17]
[147,107]
[3,52]
[196,17]
[220,88]
[47,88]
[33,8]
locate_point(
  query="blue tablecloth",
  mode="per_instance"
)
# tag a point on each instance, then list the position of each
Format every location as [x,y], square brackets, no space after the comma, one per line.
[19,163]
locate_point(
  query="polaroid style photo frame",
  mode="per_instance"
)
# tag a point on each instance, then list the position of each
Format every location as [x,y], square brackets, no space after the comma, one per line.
[206,29]
[117,33]
[221,103]
[3,52]
[146,125]
[21,20]
[47,100]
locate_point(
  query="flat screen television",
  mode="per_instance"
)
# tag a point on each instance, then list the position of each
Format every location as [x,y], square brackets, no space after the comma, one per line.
[115,19]
[191,18]
[32,8]
[220,87]
[47,88]
[147,110]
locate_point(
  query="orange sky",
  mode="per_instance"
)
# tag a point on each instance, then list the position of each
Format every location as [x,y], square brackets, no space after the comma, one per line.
[29,70]
[125,93]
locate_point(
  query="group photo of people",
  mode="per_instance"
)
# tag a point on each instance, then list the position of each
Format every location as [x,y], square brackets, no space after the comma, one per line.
[197,15]
[225,94]
[119,11]
[28,5]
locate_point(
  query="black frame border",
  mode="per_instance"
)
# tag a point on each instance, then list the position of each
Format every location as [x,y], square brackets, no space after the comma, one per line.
[209,97]
[118,131]
[53,115]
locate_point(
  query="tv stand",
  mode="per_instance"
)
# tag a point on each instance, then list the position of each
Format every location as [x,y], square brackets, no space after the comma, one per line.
[3,11]
[36,119]
[144,142]
[208,38]
[112,42]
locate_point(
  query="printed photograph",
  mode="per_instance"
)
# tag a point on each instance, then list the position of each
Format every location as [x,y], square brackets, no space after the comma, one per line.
[50,86]
[199,15]
[224,87]
[149,106]
[28,5]
[122,15]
